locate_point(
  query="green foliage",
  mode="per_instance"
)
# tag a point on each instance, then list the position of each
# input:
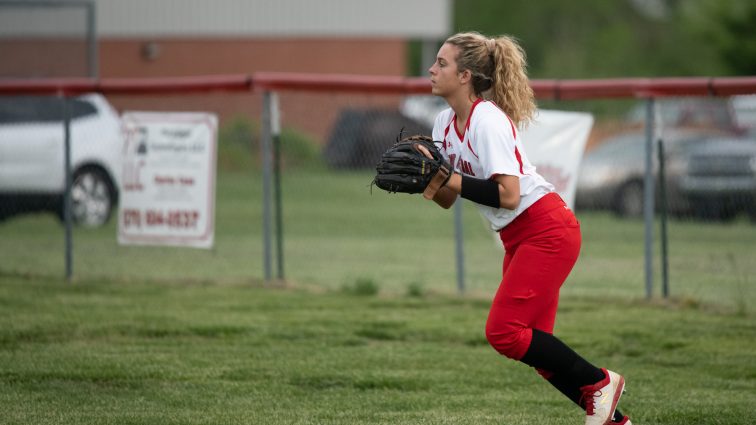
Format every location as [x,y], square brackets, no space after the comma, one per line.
[238,144]
[415,289]
[414,58]
[362,286]
[299,150]
[239,147]
[600,39]
[729,26]
[240,131]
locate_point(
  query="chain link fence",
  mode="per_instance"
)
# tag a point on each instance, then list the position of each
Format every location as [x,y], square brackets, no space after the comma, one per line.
[337,232]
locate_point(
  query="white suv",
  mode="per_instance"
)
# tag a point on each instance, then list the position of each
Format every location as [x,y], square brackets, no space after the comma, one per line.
[32,156]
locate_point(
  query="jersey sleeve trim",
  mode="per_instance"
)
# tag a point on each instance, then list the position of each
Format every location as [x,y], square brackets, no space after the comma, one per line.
[514,131]
[446,131]
[469,146]
[519,158]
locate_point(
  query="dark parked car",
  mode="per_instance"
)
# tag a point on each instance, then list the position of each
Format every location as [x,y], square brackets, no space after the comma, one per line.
[706,175]
[360,136]
[720,179]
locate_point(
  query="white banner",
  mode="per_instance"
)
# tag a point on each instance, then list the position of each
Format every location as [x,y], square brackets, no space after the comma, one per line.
[555,143]
[169,169]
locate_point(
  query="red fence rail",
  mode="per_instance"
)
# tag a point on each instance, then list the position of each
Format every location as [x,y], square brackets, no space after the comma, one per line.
[273,81]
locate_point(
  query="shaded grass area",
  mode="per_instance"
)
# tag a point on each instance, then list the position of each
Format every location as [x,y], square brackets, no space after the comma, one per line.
[145,353]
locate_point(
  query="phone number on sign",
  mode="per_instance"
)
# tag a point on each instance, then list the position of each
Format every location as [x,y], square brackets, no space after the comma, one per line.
[183,219]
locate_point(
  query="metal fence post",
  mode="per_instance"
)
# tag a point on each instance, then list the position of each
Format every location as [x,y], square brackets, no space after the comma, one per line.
[275,126]
[648,197]
[67,216]
[663,213]
[92,64]
[267,162]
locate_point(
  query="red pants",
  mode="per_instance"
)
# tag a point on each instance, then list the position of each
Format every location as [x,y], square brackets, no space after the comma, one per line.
[542,245]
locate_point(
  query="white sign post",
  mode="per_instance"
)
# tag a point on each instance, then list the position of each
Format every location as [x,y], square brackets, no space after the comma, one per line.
[169,169]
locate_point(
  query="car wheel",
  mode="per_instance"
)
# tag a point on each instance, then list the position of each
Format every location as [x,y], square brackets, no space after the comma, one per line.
[92,197]
[629,200]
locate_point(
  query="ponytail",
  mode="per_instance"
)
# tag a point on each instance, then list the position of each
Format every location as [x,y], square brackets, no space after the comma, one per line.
[498,69]
[511,89]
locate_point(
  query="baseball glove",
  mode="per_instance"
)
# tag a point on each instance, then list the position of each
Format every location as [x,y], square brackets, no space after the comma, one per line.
[405,168]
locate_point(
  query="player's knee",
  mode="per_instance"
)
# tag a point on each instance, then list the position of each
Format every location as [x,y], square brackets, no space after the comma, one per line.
[509,342]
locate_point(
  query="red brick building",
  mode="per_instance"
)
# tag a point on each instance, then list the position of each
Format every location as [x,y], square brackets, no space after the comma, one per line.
[165,38]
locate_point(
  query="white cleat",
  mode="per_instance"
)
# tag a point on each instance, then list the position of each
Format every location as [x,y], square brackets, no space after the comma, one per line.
[625,421]
[602,397]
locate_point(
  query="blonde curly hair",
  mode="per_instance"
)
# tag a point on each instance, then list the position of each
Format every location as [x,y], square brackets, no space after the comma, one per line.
[498,68]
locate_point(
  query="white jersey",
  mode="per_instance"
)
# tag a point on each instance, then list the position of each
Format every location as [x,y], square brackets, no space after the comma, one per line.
[489,146]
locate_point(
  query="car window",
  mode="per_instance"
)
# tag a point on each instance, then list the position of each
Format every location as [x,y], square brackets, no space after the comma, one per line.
[21,109]
[745,110]
[709,112]
[631,148]
[40,109]
[620,147]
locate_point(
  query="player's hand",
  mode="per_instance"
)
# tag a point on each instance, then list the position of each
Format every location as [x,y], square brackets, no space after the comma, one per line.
[424,151]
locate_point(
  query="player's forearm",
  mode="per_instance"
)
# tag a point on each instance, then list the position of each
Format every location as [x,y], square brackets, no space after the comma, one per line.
[501,192]
[445,197]
[509,191]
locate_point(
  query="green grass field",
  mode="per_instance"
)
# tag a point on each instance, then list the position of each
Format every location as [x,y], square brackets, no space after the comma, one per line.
[367,328]
[145,353]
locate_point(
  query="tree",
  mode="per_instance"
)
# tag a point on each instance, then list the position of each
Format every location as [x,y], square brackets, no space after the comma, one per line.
[729,27]
[598,38]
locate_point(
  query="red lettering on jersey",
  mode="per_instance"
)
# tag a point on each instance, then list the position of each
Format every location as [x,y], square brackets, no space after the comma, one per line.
[458,163]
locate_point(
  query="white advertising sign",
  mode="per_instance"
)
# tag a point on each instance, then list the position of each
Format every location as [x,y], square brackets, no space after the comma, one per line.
[168,194]
[555,143]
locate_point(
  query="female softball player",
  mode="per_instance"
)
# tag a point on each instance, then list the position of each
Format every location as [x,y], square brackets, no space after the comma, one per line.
[485,84]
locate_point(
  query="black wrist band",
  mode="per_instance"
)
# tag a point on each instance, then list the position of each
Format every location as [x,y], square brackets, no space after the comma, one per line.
[484,192]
